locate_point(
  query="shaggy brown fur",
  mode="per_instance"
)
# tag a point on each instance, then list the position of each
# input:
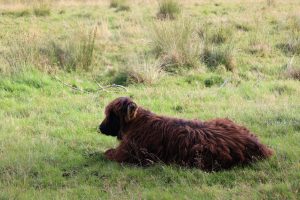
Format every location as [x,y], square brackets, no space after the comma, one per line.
[146,138]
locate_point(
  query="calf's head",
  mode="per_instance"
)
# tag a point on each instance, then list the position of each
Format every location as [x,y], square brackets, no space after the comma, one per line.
[117,113]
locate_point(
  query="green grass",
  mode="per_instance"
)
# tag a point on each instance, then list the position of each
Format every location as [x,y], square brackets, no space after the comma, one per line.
[49,146]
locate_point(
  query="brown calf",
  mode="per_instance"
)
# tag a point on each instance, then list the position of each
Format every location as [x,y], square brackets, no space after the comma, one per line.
[146,138]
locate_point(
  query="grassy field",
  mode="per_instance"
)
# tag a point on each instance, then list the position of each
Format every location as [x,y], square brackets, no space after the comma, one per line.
[203,59]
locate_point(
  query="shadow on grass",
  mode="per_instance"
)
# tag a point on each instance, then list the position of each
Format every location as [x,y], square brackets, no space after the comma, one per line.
[98,170]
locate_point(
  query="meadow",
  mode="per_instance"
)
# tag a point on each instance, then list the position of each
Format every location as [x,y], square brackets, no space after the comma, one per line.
[60,62]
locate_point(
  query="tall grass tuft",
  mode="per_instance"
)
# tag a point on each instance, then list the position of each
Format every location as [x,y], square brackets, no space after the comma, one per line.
[258,45]
[291,45]
[218,48]
[41,11]
[16,13]
[214,56]
[140,69]
[168,9]
[75,53]
[86,49]
[143,69]
[116,3]
[21,53]
[221,35]
[271,3]
[41,8]
[176,44]
[50,54]
[218,34]
[37,8]
[292,71]
[120,5]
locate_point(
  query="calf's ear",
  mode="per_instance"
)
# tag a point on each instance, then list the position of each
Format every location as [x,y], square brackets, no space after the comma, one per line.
[131,111]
